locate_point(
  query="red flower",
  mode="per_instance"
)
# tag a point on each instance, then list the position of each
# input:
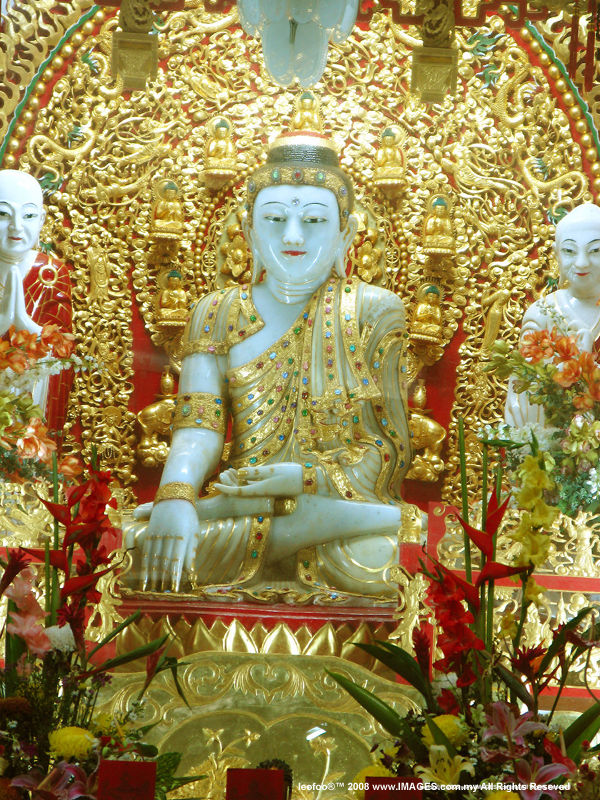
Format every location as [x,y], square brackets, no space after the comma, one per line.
[557,755]
[448,703]
[421,643]
[537,346]
[17,561]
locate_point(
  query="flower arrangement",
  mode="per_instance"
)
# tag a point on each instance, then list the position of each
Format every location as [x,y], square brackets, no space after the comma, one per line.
[51,743]
[482,732]
[25,358]
[564,382]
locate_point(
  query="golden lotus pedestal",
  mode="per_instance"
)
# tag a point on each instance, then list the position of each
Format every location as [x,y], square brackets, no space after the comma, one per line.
[256,681]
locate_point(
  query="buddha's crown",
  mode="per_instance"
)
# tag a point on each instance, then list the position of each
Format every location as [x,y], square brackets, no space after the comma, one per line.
[303,158]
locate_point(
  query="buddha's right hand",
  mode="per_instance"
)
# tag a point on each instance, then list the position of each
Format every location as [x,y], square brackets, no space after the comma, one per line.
[169,544]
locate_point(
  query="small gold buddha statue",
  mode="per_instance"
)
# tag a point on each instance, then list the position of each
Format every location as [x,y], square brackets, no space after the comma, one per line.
[235,267]
[167,212]
[155,421]
[308,115]
[438,233]
[172,303]
[427,320]
[390,169]
[428,438]
[220,155]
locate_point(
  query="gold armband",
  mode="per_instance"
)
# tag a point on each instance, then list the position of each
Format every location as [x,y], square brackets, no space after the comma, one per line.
[200,410]
[176,490]
[309,478]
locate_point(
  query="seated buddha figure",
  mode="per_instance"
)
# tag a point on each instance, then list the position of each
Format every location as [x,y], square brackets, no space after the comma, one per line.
[220,150]
[307,116]
[438,235]
[35,288]
[172,304]
[389,161]
[574,309]
[426,322]
[307,365]
[167,214]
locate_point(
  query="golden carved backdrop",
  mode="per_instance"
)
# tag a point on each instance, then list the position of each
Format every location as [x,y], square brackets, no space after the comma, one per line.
[513,149]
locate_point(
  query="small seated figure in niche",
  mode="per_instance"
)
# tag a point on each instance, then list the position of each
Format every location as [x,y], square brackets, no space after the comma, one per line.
[308,115]
[172,305]
[428,439]
[574,308]
[368,257]
[220,150]
[167,213]
[438,233]
[220,155]
[426,323]
[155,421]
[389,174]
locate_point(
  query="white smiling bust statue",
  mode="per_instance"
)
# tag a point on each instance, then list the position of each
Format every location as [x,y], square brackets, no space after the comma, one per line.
[308,365]
[573,309]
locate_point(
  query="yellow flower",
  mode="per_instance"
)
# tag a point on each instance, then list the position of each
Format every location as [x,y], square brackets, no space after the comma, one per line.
[529,496]
[451,726]
[103,724]
[508,626]
[71,742]
[372,771]
[534,592]
[543,515]
[534,549]
[533,475]
[444,769]
[523,529]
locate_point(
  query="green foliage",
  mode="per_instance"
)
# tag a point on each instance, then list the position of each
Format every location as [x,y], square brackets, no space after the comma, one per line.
[166,780]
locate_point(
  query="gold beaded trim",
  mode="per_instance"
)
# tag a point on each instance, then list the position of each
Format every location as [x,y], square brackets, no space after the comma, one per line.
[200,410]
[176,490]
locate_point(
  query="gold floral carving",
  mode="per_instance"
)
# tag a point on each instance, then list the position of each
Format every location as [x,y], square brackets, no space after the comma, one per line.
[502,148]
[245,708]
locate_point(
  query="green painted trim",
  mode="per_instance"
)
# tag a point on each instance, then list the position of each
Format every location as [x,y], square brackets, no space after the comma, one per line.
[572,88]
[22,103]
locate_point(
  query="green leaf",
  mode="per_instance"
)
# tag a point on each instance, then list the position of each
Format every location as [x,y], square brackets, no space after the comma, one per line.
[115,632]
[400,661]
[384,714]
[147,750]
[560,639]
[586,726]
[514,684]
[126,658]
[439,737]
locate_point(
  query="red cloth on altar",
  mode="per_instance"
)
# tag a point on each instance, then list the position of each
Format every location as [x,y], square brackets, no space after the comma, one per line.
[47,289]
[126,780]
[255,784]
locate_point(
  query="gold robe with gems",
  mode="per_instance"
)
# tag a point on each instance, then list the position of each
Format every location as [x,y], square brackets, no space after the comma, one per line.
[328,394]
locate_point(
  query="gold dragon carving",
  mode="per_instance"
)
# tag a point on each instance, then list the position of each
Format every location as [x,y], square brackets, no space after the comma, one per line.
[502,149]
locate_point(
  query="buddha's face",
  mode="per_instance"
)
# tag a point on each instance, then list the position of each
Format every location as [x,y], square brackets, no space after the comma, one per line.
[296,232]
[21,213]
[578,255]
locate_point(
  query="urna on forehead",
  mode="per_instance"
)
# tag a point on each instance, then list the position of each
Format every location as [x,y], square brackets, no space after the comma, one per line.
[20,187]
[581,219]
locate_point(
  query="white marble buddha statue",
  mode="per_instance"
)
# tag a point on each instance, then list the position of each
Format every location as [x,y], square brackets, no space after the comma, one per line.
[573,309]
[35,288]
[308,364]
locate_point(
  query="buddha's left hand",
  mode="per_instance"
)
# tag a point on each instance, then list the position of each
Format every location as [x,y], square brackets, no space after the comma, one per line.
[273,480]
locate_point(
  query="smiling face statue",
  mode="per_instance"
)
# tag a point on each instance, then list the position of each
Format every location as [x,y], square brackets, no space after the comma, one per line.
[21,215]
[578,251]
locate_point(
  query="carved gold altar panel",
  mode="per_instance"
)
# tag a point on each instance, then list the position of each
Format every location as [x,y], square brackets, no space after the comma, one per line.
[511,151]
[248,708]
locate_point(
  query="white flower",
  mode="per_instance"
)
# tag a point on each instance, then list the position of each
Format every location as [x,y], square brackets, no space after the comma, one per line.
[61,638]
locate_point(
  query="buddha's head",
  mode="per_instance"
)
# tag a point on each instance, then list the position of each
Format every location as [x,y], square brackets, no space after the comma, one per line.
[221,129]
[440,207]
[170,190]
[174,279]
[577,248]
[299,220]
[22,214]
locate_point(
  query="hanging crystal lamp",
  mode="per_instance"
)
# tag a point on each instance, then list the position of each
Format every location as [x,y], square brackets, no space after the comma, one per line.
[296,34]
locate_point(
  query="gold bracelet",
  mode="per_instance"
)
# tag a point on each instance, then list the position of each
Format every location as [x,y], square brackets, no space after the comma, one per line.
[176,490]
[309,478]
[200,410]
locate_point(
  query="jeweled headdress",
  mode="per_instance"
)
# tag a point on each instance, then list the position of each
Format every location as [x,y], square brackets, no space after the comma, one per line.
[305,158]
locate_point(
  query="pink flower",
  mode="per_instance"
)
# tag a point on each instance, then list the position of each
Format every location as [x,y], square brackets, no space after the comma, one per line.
[21,593]
[539,773]
[26,627]
[504,724]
